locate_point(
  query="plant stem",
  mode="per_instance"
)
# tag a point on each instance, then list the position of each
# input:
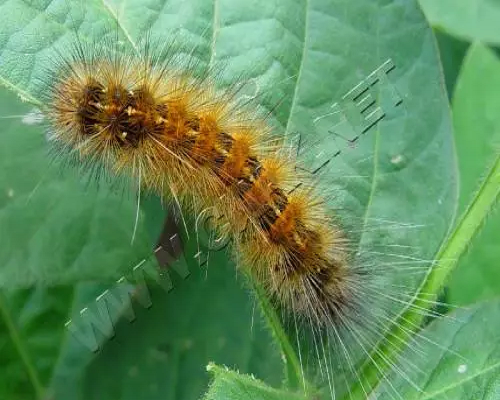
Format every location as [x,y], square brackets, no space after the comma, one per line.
[293,370]
[446,259]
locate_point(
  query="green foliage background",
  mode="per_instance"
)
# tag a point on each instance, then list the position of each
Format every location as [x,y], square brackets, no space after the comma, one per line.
[63,241]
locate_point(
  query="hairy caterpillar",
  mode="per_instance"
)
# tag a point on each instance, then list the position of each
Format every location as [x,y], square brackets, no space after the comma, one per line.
[178,136]
[229,146]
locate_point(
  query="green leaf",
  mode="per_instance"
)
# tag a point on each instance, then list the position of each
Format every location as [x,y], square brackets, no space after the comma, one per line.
[477,130]
[454,358]
[165,346]
[468,19]
[230,385]
[169,344]
[476,120]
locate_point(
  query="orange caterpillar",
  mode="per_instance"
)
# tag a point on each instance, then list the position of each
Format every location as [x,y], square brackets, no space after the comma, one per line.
[150,118]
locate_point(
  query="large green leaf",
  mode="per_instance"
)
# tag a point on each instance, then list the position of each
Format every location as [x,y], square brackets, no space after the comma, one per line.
[170,343]
[467,19]
[306,56]
[152,357]
[477,128]
[465,366]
